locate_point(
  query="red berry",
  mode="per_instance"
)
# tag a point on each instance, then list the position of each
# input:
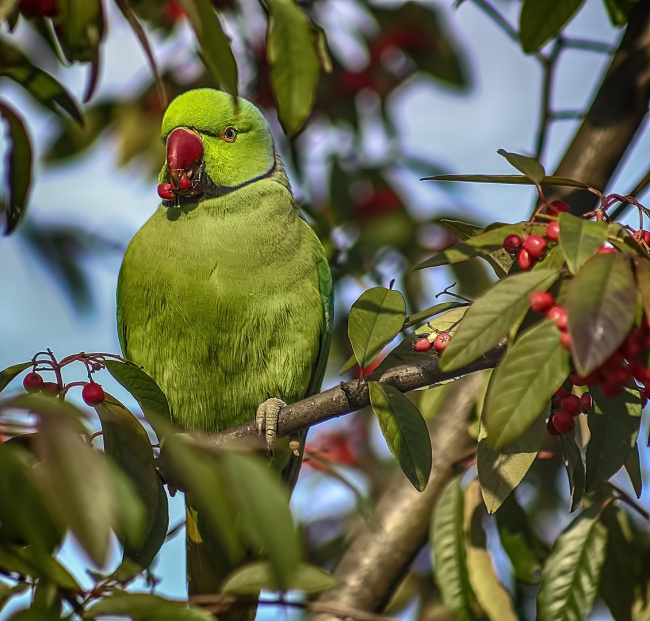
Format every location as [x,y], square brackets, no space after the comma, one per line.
[611,387]
[557,314]
[38,8]
[50,389]
[632,346]
[422,344]
[441,341]
[613,363]
[550,427]
[561,392]
[553,231]
[606,250]
[571,404]
[639,371]
[512,243]
[563,421]
[565,340]
[93,394]
[33,382]
[540,301]
[558,207]
[524,260]
[535,246]
[166,191]
[585,402]
[184,182]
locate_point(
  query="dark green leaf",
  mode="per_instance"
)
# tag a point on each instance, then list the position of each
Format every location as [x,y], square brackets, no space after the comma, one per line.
[376,318]
[530,167]
[511,179]
[521,386]
[145,607]
[405,432]
[572,456]
[215,45]
[416,318]
[499,472]
[7,592]
[492,596]
[251,578]
[580,239]
[33,614]
[632,466]
[144,389]
[292,48]
[47,598]
[127,443]
[19,165]
[614,426]
[525,549]
[26,561]
[618,11]
[572,571]
[263,503]
[541,20]
[11,372]
[496,313]
[601,303]
[447,542]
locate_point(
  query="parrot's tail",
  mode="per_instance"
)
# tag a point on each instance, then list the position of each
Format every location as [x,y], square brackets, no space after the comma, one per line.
[206,574]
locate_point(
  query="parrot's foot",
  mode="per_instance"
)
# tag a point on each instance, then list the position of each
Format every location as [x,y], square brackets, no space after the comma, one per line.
[267,419]
[295,447]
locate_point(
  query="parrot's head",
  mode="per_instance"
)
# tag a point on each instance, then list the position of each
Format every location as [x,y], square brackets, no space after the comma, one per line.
[213,145]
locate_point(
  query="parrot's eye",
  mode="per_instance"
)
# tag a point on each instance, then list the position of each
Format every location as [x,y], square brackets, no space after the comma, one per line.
[229,134]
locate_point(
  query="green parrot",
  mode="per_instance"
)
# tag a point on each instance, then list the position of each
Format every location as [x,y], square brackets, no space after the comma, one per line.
[225,294]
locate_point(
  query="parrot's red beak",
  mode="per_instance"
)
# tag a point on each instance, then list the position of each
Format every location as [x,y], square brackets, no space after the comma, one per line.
[184,159]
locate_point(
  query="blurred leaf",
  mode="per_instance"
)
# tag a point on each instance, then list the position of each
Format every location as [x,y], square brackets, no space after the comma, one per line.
[464,230]
[6,8]
[19,165]
[7,592]
[35,615]
[250,579]
[513,179]
[572,456]
[632,466]
[524,164]
[47,598]
[580,239]
[524,382]
[619,11]
[215,45]
[601,303]
[142,387]
[525,549]
[292,48]
[490,318]
[376,318]
[642,272]
[572,571]
[405,432]
[449,556]
[541,20]
[7,376]
[499,472]
[145,607]
[492,596]
[26,561]
[614,427]
[128,444]
[263,504]
[431,400]
[416,318]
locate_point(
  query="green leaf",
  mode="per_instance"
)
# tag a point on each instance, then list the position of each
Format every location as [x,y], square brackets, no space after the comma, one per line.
[614,426]
[7,592]
[572,571]
[632,466]
[572,457]
[253,577]
[33,614]
[499,472]
[416,318]
[216,53]
[525,549]
[464,230]
[524,382]
[619,11]
[642,272]
[479,245]
[509,179]
[144,389]
[580,239]
[8,375]
[449,553]
[541,20]
[493,316]
[530,167]
[143,606]
[263,504]
[19,165]
[292,47]
[376,318]
[128,445]
[492,596]
[405,432]
[601,304]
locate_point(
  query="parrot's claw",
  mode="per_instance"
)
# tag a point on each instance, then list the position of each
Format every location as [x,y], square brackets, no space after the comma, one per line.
[267,419]
[294,446]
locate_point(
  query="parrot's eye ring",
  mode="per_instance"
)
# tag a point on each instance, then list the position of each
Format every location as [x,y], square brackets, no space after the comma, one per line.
[229,134]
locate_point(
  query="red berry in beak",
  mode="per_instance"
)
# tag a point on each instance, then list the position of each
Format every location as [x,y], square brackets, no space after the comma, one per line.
[166,191]
[184,153]
[184,182]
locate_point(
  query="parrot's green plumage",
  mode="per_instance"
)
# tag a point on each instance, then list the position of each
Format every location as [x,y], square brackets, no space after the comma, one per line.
[225,294]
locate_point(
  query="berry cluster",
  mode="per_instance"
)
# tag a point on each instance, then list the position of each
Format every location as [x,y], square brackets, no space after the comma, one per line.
[565,408]
[544,302]
[424,342]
